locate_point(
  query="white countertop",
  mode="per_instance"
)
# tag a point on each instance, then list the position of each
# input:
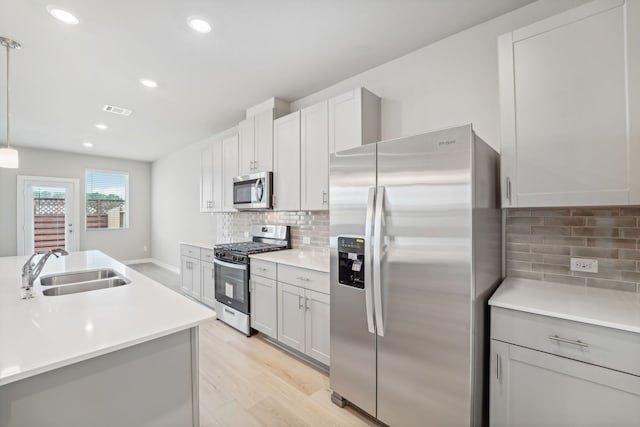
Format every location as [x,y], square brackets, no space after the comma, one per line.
[313,260]
[602,307]
[200,243]
[48,332]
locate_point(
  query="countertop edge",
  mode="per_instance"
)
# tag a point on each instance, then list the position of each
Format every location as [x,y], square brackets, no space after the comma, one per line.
[280,259]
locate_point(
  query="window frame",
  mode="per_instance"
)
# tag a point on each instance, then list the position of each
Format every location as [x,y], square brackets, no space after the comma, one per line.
[127,205]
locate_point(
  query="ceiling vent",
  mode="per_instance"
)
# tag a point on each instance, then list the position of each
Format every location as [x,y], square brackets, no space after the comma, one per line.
[117,110]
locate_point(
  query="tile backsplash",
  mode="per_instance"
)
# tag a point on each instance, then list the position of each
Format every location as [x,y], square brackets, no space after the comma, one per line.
[541,241]
[313,224]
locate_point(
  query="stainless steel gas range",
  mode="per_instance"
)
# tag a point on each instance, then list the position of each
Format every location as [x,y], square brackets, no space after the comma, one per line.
[232,273]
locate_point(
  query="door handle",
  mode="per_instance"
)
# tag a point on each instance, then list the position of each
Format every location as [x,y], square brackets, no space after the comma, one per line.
[368,295]
[509,189]
[378,237]
[306,304]
[300,306]
[324,197]
[568,341]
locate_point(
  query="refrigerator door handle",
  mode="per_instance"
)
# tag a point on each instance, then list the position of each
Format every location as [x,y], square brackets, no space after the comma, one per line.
[368,295]
[378,238]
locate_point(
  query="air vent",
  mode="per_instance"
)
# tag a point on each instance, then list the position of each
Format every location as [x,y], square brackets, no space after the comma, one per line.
[117,110]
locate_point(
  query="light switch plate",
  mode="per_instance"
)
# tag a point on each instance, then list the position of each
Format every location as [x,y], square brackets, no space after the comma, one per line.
[586,265]
[306,240]
[246,234]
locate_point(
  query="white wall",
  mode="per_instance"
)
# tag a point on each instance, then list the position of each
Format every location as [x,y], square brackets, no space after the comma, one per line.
[120,244]
[451,82]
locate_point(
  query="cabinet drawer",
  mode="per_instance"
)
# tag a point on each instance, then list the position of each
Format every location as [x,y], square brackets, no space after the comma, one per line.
[191,251]
[206,254]
[607,347]
[263,268]
[308,279]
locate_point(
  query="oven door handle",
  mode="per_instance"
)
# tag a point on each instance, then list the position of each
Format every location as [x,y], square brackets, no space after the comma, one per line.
[230,265]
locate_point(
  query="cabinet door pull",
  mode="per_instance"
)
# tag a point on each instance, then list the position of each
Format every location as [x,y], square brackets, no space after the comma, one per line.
[499,369]
[509,189]
[324,197]
[568,341]
[300,306]
[304,279]
[306,304]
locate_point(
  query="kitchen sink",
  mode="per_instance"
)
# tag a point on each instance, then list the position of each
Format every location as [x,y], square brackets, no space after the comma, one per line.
[91,285]
[77,277]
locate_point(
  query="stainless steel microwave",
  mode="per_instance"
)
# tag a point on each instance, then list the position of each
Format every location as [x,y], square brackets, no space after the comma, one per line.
[253,192]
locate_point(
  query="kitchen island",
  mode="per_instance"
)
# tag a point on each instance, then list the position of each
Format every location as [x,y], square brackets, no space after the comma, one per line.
[125,356]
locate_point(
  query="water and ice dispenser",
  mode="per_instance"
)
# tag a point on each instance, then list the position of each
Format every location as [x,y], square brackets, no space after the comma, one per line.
[351,269]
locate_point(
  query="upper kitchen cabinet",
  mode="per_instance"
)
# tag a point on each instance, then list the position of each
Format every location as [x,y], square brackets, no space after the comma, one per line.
[286,163]
[229,171]
[354,120]
[570,108]
[211,177]
[314,159]
[256,137]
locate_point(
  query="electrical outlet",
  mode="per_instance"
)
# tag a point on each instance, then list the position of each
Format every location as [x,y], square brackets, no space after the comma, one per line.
[306,240]
[246,234]
[586,265]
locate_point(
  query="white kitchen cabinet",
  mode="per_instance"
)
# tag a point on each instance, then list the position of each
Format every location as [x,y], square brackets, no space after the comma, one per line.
[354,120]
[229,171]
[291,316]
[570,108]
[534,388]
[211,177]
[314,157]
[264,305]
[286,163]
[207,281]
[256,143]
[190,276]
[317,326]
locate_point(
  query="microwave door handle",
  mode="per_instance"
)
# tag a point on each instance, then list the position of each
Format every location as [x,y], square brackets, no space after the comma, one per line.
[259,190]
[378,238]
[368,266]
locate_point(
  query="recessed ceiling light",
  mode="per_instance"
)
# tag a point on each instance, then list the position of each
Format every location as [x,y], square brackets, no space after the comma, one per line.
[148,83]
[199,24]
[88,144]
[102,126]
[63,15]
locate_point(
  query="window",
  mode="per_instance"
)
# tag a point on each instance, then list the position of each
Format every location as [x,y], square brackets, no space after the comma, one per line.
[107,200]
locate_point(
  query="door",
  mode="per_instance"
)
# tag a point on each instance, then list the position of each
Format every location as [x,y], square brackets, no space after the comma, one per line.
[422,300]
[186,279]
[232,285]
[317,326]
[246,135]
[345,121]
[207,278]
[229,170]
[263,125]
[353,343]
[264,306]
[531,388]
[47,213]
[206,179]
[196,284]
[286,164]
[314,176]
[291,316]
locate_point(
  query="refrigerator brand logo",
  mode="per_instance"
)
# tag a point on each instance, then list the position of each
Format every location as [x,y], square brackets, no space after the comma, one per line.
[447,142]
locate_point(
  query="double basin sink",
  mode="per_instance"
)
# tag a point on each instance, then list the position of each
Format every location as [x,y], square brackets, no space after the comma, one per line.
[81,281]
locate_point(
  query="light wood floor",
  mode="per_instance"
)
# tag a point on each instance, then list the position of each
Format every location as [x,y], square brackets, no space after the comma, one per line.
[248,382]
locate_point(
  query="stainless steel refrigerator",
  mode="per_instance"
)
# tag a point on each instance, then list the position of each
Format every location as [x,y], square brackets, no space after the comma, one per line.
[415,254]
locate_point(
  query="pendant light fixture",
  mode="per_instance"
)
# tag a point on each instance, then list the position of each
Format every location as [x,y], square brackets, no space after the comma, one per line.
[8,155]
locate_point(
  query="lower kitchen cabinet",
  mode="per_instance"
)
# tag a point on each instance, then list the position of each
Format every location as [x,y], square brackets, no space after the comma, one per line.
[303,321]
[264,306]
[534,388]
[190,276]
[197,276]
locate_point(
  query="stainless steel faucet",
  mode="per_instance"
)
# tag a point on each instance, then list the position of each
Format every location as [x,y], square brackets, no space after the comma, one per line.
[30,271]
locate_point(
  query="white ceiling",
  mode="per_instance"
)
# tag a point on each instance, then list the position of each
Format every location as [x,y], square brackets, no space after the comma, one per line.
[64,74]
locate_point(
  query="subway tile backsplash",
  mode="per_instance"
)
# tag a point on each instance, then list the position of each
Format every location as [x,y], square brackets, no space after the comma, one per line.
[313,224]
[540,243]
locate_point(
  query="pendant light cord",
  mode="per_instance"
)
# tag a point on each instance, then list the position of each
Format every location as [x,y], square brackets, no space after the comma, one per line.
[8,115]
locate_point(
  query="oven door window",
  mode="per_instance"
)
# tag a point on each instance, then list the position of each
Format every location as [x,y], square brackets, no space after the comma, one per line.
[243,192]
[232,287]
